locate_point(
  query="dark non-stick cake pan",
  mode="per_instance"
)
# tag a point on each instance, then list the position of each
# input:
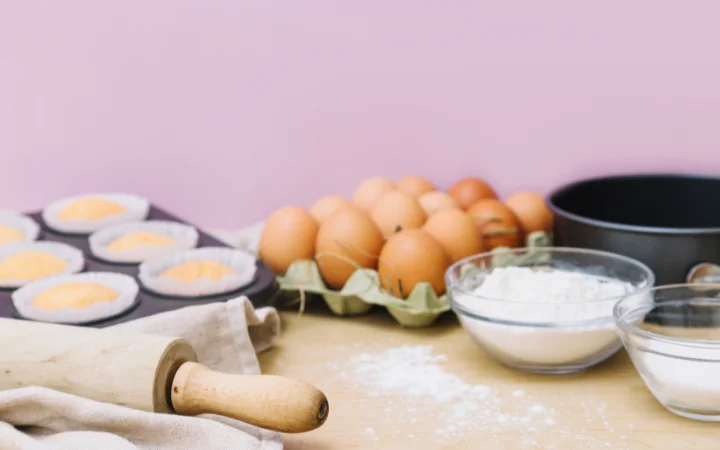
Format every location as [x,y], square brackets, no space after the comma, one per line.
[671,222]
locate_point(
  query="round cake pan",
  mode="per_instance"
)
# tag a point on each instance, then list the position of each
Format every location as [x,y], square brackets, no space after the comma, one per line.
[671,222]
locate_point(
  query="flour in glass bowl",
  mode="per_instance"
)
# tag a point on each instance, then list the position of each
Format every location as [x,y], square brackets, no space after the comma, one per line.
[560,300]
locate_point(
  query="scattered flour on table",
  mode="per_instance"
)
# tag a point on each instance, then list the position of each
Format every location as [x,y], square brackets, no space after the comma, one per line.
[372,433]
[420,388]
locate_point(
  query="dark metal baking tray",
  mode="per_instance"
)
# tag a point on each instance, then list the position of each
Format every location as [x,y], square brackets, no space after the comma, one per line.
[263,291]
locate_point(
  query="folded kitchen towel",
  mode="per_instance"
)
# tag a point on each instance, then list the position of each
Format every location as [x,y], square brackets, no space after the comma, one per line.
[246,239]
[225,336]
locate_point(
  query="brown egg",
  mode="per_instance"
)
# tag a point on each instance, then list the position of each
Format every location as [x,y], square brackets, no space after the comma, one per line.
[348,239]
[289,235]
[433,202]
[456,231]
[323,208]
[370,190]
[497,223]
[531,210]
[411,257]
[396,211]
[469,191]
[415,186]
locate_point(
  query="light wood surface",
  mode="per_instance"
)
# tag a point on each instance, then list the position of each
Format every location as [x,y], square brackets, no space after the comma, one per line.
[150,373]
[607,407]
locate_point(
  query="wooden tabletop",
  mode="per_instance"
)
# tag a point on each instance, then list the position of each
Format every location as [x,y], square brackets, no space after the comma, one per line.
[605,407]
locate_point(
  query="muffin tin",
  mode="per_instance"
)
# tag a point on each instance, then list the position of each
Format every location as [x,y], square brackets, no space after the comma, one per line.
[262,291]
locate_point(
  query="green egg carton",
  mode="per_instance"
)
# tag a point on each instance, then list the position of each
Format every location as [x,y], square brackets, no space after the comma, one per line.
[304,276]
[363,290]
[504,256]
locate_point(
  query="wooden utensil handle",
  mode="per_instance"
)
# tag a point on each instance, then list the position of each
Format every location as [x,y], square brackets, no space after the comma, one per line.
[267,401]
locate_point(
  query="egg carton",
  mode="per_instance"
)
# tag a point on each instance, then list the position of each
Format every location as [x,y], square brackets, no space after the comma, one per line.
[505,257]
[363,290]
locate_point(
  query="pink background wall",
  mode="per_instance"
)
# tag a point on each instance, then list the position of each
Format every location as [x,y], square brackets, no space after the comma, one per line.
[223,110]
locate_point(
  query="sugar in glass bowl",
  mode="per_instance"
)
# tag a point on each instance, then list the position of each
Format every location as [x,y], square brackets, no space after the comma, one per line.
[672,334]
[544,309]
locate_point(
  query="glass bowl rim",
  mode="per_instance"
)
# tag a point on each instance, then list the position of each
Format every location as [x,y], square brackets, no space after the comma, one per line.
[629,328]
[453,285]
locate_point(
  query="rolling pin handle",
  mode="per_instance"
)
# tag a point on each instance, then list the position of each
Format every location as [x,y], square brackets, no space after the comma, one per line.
[267,401]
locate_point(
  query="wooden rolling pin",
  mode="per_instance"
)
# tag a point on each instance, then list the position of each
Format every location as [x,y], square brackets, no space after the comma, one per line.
[150,373]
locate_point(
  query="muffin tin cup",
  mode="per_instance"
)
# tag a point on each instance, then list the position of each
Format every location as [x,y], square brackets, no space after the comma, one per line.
[136,209]
[125,285]
[74,258]
[185,237]
[29,228]
[242,262]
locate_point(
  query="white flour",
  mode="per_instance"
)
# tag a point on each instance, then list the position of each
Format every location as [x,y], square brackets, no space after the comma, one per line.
[418,389]
[417,375]
[690,381]
[556,297]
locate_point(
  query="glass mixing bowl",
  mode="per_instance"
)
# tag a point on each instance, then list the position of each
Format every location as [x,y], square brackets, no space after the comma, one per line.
[672,334]
[536,333]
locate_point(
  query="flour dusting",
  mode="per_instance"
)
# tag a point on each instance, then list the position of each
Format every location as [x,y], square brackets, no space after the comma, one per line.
[372,433]
[418,388]
[416,375]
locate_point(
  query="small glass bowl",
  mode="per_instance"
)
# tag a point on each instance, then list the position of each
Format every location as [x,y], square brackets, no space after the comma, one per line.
[540,336]
[672,334]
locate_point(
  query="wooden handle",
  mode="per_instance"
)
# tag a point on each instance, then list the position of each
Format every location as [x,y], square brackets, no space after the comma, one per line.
[267,401]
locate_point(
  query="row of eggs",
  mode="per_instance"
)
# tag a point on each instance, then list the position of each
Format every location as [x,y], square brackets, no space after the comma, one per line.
[409,231]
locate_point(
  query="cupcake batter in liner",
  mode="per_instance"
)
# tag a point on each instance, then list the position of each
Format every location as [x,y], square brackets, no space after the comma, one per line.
[243,265]
[133,209]
[184,237]
[74,259]
[124,285]
[23,224]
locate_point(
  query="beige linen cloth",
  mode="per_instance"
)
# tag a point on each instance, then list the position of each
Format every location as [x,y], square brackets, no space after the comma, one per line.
[225,336]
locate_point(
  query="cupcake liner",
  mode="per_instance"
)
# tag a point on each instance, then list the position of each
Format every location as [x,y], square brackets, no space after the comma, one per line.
[185,236]
[29,227]
[137,209]
[125,285]
[238,260]
[74,258]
